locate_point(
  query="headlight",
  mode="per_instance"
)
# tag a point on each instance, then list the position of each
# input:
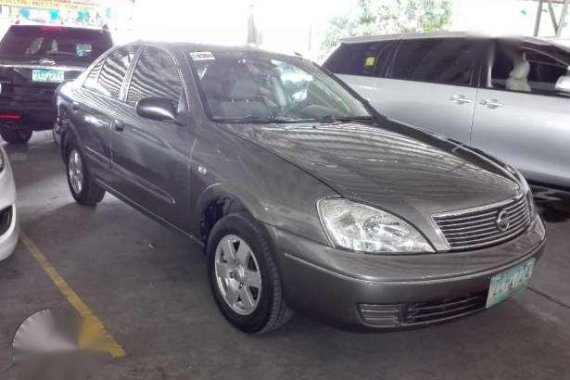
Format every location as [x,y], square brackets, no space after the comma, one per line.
[526,191]
[362,228]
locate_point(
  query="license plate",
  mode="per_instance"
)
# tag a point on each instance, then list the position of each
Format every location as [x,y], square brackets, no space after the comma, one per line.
[508,282]
[49,76]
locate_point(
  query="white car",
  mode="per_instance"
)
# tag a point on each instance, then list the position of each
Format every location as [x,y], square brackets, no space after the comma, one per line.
[8,215]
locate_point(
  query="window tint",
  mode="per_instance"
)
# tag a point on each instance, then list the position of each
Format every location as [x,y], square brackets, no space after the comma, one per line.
[367,59]
[114,70]
[446,61]
[91,79]
[155,75]
[526,69]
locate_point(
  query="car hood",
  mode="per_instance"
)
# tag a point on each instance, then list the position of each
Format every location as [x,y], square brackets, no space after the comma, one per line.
[397,168]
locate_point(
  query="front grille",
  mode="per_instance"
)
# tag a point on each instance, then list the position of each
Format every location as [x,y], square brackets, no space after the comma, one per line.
[420,313]
[480,228]
[5,220]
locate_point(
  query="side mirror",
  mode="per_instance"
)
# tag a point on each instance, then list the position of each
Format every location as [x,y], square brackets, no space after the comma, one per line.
[563,84]
[161,109]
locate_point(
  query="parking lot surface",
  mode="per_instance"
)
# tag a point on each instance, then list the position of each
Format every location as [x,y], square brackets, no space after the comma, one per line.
[148,286]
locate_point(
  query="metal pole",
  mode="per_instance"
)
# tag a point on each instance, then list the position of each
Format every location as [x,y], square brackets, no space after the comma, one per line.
[552,15]
[562,18]
[538,18]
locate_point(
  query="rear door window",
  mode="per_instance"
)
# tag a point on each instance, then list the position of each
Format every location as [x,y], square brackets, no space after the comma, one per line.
[364,59]
[447,61]
[155,75]
[55,42]
[112,75]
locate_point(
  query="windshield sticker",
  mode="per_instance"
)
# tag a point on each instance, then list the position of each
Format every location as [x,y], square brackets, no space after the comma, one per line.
[370,61]
[199,56]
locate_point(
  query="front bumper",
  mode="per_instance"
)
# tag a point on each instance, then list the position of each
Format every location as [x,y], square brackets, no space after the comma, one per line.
[8,212]
[352,290]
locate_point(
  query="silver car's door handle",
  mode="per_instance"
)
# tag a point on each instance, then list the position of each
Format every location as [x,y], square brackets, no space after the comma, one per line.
[492,103]
[460,99]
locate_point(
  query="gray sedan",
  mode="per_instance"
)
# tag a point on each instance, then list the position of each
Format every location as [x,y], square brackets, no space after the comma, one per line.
[303,197]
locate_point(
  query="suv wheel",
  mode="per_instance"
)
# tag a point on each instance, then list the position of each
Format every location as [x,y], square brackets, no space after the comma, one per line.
[244,277]
[83,188]
[16,136]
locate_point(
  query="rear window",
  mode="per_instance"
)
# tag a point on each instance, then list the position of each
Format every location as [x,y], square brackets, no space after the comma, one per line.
[34,41]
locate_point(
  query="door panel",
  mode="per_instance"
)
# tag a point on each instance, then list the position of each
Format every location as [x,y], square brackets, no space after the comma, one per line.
[93,123]
[94,105]
[151,159]
[152,165]
[444,109]
[531,132]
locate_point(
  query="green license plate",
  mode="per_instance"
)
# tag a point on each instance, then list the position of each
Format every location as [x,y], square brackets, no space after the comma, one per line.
[508,282]
[48,76]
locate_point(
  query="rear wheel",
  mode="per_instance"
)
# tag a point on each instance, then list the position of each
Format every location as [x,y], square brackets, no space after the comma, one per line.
[83,188]
[244,276]
[16,136]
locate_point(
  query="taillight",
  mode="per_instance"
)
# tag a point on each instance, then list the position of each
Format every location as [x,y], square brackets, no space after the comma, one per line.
[9,116]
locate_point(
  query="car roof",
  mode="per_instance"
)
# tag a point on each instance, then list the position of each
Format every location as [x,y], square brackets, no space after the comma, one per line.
[64,27]
[438,35]
[202,47]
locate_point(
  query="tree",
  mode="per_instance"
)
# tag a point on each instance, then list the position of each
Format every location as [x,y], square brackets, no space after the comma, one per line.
[389,16]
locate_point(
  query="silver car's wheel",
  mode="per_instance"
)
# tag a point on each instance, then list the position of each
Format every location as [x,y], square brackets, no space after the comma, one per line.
[238,275]
[75,171]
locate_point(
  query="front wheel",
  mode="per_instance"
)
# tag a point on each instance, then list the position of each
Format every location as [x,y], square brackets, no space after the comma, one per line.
[83,188]
[16,136]
[244,276]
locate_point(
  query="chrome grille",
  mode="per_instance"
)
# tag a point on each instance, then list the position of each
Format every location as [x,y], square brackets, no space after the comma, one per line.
[480,227]
[422,313]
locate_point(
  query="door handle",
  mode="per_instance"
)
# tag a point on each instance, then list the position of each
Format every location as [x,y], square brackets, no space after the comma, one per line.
[118,126]
[75,106]
[460,99]
[492,103]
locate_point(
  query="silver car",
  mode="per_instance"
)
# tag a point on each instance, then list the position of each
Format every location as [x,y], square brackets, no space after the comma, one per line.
[8,219]
[508,97]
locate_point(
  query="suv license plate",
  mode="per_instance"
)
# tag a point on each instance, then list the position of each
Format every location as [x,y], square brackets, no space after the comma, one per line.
[508,282]
[48,76]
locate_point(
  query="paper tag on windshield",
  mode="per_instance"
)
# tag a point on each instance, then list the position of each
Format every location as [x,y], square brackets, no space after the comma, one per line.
[202,56]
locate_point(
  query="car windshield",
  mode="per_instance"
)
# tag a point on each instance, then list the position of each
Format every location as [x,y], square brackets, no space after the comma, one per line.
[48,41]
[252,87]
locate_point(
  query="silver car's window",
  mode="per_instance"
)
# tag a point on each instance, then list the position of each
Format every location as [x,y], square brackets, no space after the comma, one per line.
[527,69]
[445,61]
[363,59]
[260,88]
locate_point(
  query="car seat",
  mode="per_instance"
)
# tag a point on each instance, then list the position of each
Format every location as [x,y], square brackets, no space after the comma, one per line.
[518,78]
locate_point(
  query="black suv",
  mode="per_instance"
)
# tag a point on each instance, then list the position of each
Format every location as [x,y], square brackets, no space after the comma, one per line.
[34,61]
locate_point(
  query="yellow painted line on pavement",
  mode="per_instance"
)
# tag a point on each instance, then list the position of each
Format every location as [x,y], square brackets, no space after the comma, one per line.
[110,345]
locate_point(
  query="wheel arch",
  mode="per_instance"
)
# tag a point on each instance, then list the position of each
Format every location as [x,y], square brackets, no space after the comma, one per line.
[216,202]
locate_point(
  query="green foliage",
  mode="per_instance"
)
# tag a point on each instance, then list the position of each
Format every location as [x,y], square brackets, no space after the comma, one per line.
[389,16]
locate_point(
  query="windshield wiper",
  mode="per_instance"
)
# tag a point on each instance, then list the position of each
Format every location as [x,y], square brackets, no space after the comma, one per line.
[256,119]
[342,119]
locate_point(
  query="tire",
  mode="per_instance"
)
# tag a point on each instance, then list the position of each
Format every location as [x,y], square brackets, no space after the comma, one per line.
[16,136]
[82,186]
[270,311]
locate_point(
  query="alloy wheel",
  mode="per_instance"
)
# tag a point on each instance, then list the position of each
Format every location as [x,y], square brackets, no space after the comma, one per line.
[75,171]
[238,275]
